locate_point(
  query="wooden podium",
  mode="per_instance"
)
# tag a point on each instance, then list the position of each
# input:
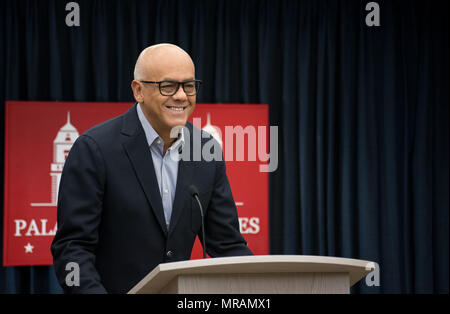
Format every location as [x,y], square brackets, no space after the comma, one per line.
[263,274]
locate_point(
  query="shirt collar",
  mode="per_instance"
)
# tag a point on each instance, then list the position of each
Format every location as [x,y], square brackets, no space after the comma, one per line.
[151,134]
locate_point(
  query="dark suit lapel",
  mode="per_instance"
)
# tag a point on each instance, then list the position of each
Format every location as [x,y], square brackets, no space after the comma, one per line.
[185,173]
[136,147]
[184,179]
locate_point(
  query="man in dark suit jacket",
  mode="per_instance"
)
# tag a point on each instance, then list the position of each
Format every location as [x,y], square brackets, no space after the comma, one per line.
[124,206]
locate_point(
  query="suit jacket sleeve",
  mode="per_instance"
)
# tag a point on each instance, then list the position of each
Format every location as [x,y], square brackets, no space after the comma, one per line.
[223,237]
[78,216]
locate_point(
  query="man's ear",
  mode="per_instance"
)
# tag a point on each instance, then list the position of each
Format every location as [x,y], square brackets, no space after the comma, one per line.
[137,91]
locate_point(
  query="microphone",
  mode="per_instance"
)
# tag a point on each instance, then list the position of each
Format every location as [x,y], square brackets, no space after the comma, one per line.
[194,193]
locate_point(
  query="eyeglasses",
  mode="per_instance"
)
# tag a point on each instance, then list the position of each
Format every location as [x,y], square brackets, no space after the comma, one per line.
[170,88]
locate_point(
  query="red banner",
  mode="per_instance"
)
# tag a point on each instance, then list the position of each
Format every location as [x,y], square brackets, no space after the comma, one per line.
[39,135]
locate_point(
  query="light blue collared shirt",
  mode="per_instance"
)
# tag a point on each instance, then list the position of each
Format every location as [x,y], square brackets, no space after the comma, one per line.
[166,167]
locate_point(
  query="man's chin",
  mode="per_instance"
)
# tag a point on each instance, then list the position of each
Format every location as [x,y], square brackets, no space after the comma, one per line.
[177,124]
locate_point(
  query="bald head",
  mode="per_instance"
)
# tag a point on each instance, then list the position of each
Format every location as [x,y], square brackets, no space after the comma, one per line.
[154,59]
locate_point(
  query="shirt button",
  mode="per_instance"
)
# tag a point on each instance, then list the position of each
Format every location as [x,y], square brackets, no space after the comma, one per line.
[169,254]
[166,191]
[158,141]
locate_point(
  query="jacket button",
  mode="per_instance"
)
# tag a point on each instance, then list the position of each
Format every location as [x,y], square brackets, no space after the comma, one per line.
[169,254]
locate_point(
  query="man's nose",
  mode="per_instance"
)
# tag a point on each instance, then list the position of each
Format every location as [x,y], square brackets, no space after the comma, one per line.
[180,94]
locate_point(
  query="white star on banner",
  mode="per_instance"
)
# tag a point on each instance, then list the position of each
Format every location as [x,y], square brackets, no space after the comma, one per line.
[29,248]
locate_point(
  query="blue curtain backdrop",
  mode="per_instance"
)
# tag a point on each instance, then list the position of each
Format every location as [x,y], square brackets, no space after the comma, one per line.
[362,111]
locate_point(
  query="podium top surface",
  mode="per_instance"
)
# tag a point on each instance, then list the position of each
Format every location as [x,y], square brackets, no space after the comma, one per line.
[165,272]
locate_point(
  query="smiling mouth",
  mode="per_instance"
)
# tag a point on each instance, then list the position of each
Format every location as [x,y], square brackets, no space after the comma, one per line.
[176,108]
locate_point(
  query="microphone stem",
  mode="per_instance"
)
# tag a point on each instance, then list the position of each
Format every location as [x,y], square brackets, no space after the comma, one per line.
[203,225]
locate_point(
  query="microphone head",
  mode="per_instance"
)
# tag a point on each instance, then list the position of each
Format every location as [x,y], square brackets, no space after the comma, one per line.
[193,190]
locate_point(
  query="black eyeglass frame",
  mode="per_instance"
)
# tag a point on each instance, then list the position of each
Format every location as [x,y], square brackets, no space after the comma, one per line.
[197,86]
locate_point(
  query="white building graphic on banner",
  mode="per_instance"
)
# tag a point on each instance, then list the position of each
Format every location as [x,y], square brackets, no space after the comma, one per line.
[61,147]
[213,130]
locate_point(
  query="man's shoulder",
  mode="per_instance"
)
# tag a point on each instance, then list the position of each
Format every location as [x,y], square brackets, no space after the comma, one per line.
[193,130]
[106,130]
